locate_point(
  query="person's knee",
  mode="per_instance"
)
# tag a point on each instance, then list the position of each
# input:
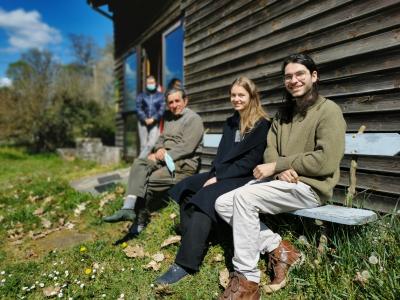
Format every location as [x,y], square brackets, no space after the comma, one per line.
[242,199]
[223,203]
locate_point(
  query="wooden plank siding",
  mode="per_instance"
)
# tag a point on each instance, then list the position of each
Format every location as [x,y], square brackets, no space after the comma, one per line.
[356,45]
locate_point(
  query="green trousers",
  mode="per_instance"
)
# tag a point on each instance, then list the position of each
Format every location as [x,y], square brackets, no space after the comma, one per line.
[149,179]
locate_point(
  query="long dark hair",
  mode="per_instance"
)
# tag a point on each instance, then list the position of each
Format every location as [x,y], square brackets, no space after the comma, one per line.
[286,113]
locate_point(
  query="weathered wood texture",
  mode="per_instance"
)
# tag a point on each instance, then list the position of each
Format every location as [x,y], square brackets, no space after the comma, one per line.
[356,45]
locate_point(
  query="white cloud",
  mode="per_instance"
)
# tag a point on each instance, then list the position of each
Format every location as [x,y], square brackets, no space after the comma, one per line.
[4,81]
[26,30]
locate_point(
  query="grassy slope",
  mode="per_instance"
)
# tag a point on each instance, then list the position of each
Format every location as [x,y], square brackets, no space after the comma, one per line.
[26,181]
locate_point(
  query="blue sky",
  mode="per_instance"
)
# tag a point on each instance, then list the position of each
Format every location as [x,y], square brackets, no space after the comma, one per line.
[46,24]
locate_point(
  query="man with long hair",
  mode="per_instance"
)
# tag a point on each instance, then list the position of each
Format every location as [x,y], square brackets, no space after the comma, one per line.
[301,167]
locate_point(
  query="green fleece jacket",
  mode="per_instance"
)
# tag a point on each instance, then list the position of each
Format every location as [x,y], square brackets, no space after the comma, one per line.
[313,146]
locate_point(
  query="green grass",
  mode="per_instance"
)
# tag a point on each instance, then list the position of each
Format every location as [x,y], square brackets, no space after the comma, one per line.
[26,181]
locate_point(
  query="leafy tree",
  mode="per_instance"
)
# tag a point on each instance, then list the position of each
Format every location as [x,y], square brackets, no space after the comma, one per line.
[50,105]
[84,50]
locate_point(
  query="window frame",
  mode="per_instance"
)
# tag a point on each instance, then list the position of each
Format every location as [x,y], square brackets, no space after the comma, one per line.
[170,29]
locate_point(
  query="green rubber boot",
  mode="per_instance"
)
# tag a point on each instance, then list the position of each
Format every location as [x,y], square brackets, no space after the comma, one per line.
[121,215]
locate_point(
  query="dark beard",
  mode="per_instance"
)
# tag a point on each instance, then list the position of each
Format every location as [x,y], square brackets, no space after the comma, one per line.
[307,101]
[290,107]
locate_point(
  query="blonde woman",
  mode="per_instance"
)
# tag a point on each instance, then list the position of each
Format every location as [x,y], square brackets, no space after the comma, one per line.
[241,149]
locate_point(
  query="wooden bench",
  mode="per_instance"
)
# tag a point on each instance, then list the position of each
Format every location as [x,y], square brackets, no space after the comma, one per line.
[382,144]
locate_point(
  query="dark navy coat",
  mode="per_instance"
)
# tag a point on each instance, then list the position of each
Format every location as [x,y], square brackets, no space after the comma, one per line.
[150,105]
[233,166]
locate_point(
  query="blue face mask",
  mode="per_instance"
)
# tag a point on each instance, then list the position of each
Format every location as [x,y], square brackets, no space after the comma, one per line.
[151,87]
[170,163]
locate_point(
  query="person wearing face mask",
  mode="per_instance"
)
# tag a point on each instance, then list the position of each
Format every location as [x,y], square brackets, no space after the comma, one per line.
[150,107]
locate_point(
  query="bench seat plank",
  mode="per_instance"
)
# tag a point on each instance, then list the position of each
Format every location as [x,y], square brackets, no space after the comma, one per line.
[338,214]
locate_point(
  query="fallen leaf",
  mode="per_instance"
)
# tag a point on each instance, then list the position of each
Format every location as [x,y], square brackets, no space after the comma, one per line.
[15,235]
[134,251]
[171,240]
[47,200]
[17,242]
[163,290]
[38,211]
[224,277]
[172,216]
[51,291]
[1,218]
[152,265]
[323,244]
[218,257]
[158,257]
[61,221]
[362,278]
[32,199]
[69,225]
[30,254]
[46,223]
[79,209]
[319,222]
[365,274]
[37,235]
[107,198]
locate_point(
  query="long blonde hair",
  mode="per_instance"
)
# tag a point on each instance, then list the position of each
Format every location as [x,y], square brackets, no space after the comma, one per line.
[254,111]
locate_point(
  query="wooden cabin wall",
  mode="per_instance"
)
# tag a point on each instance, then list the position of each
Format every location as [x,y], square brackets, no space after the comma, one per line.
[356,45]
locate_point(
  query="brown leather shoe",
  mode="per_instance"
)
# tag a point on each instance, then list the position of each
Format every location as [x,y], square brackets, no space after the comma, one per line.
[280,261]
[239,288]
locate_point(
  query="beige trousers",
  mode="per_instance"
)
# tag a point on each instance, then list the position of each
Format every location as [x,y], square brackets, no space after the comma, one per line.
[241,209]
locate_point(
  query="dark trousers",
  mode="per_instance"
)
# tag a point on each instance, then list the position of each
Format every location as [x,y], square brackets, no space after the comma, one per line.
[195,227]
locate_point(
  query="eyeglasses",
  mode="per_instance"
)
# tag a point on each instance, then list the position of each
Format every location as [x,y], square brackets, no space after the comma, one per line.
[300,75]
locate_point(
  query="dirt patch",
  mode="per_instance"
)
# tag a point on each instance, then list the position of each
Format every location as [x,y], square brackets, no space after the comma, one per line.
[60,240]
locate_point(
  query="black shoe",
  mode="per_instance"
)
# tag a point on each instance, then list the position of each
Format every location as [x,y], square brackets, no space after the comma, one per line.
[127,237]
[121,215]
[174,274]
[136,228]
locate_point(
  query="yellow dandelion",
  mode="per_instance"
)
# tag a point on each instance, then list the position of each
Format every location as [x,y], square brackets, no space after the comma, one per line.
[124,245]
[88,271]
[83,249]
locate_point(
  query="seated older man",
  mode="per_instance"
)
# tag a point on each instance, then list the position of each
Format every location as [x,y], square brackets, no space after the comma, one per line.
[176,148]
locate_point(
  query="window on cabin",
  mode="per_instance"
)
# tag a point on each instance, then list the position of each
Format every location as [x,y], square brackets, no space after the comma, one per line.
[173,40]
[131,81]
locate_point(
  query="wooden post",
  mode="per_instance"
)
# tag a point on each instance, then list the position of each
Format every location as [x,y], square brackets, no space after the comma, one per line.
[352,178]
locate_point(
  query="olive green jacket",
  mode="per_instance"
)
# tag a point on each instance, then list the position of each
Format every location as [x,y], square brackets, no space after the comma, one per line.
[312,145]
[181,137]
